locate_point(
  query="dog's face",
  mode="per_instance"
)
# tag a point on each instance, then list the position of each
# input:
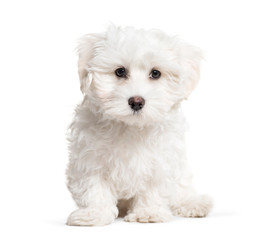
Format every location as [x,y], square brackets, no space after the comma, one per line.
[136,76]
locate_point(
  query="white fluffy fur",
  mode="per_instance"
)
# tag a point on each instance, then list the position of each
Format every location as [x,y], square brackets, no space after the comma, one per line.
[126,163]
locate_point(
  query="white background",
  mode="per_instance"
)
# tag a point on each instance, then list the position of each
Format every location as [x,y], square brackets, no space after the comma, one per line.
[39,88]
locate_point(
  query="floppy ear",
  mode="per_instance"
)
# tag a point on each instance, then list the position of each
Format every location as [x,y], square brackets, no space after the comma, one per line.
[191,57]
[86,51]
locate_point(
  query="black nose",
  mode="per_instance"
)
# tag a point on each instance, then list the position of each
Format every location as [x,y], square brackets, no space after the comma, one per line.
[136,103]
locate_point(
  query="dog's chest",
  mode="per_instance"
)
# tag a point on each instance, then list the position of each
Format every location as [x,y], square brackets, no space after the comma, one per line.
[135,158]
[131,159]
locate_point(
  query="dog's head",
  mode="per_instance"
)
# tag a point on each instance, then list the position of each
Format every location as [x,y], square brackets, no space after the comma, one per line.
[136,76]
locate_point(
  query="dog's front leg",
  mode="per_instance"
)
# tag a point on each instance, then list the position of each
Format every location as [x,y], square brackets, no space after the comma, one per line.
[97,205]
[148,206]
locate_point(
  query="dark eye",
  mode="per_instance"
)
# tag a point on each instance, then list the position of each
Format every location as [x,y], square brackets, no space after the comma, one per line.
[121,72]
[155,74]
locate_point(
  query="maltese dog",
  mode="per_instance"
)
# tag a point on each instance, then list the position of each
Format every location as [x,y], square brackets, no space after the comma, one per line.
[126,142]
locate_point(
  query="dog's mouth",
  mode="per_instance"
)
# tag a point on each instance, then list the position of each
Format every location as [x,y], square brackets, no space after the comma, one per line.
[137,113]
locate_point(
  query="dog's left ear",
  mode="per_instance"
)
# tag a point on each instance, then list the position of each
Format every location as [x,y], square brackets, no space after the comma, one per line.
[190,59]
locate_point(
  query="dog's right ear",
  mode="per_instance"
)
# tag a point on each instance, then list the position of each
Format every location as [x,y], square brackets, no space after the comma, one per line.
[86,51]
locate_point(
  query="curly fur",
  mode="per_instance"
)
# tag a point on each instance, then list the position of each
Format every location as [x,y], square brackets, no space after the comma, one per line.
[125,162]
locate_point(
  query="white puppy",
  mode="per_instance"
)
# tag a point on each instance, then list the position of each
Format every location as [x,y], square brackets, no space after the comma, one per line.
[127,153]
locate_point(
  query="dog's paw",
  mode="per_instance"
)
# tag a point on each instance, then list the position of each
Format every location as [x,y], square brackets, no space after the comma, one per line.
[90,217]
[197,207]
[148,215]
